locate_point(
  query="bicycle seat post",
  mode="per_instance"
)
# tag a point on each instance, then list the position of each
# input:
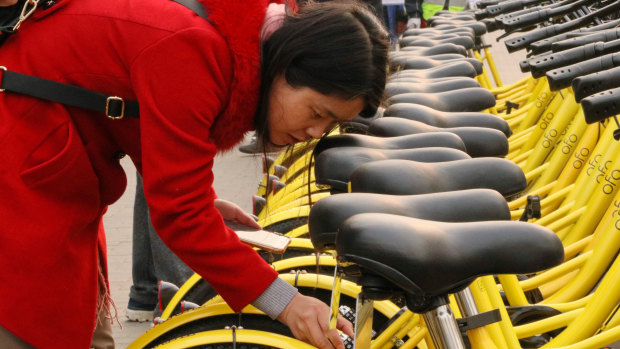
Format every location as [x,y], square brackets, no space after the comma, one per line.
[442,325]
[335,299]
[363,321]
[467,304]
[364,309]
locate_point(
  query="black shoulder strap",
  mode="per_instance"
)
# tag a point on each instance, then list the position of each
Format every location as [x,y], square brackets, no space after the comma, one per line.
[195,6]
[112,106]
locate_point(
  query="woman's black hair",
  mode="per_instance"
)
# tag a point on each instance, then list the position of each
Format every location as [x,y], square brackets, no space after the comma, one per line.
[337,48]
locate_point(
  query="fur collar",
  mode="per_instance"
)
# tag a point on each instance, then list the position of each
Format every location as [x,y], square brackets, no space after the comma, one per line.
[239,23]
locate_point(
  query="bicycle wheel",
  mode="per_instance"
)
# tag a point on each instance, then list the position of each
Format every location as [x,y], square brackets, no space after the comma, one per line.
[285,226]
[217,315]
[250,319]
[234,339]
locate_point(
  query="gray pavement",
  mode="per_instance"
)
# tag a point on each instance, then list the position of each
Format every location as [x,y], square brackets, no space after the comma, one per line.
[236,178]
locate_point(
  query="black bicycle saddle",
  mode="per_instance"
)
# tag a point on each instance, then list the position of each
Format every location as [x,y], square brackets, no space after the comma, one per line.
[444,36]
[454,206]
[409,62]
[465,99]
[396,87]
[403,78]
[430,32]
[479,141]
[414,54]
[426,258]
[440,139]
[449,13]
[405,177]
[438,118]
[479,28]
[459,18]
[334,166]
[442,71]
[466,42]
[437,50]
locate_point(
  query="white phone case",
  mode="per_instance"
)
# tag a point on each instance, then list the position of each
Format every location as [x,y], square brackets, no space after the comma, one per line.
[266,240]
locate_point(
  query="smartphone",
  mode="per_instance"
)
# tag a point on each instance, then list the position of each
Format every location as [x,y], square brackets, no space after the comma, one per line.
[267,240]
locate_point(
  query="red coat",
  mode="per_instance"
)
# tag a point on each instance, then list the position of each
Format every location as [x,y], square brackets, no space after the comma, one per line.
[197,86]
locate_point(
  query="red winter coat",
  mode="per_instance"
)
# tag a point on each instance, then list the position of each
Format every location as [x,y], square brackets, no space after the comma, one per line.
[197,87]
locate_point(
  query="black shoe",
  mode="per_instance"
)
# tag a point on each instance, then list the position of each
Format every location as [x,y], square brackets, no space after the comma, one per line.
[251,148]
[140,312]
[254,148]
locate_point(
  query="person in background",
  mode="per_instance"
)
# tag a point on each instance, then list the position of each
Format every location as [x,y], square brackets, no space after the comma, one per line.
[201,85]
[152,261]
[414,13]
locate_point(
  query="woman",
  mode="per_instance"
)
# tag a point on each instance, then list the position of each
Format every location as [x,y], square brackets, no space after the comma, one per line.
[200,88]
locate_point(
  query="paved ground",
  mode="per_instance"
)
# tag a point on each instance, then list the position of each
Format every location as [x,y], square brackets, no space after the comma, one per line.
[236,179]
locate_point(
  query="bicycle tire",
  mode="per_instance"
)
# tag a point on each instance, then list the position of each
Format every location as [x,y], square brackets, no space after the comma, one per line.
[244,340]
[287,225]
[257,322]
[246,321]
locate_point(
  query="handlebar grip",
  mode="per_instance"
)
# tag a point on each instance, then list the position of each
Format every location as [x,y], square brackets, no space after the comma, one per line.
[606,35]
[481,14]
[544,45]
[524,40]
[491,24]
[601,105]
[542,64]
[526,20]
[525,66]
[504,7]
[562,77]
[486,3]
[516,14]
[590,84]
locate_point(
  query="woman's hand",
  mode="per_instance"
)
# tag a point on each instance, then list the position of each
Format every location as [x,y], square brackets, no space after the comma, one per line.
[230,211]
[5,3]
[308,319]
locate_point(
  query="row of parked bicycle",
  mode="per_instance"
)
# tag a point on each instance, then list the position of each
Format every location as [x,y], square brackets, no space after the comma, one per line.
[466,213]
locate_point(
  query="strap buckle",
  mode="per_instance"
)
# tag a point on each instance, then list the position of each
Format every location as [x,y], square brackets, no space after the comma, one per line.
[3,68]
[29,7]
[112,105]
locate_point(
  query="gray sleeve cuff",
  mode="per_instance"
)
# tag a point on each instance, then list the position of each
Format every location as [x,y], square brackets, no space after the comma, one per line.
[275,298]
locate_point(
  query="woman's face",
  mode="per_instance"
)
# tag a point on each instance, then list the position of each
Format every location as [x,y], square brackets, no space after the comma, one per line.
[298,114]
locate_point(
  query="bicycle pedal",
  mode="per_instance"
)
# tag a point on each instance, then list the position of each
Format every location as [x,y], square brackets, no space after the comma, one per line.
[348,341]
[532,208]
[258,203]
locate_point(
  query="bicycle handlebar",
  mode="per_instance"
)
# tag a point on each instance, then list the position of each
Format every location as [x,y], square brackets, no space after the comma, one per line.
[491,24]
[483,4]
[541,15]
[606,35]
[562,77]
[480,14]
[544,45]
[527,39]
[588,85]
[601,105]
[509,6]
[524,65]
[531,9]
[501,7]
[542,64]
